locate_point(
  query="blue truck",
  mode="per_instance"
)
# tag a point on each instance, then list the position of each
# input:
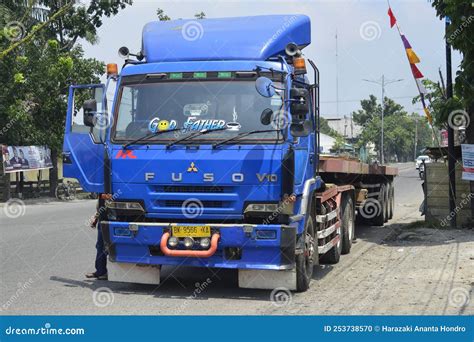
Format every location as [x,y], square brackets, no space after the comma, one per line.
[209,156]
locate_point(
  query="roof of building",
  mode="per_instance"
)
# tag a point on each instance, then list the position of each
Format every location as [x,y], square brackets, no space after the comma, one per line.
[343,126]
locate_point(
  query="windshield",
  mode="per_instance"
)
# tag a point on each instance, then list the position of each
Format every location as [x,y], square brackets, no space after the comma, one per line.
[195,105]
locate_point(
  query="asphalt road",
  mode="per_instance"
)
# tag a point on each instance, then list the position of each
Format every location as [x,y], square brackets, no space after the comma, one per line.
[46,252]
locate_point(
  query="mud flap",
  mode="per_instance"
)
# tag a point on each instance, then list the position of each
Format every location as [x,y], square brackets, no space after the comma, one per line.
[133,273]
[267,279]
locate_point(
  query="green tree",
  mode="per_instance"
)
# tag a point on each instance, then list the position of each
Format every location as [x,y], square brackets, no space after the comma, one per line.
[371,110]
[200,15]
[162,16]
[41,63]
[439,106]
[459,35]
[326,129]
[399,129]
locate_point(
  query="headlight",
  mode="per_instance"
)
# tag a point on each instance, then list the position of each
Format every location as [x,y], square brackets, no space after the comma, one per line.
[188,242]
[205,243]
[173,241]
[135,206]
[261,208]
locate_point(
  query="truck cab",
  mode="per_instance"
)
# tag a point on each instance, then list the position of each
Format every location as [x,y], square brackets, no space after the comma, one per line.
[209,154]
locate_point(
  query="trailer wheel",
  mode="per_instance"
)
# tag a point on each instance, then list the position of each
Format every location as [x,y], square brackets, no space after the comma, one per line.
[305,260]
[379,220]
[348,226]
[391,201]
[387,202]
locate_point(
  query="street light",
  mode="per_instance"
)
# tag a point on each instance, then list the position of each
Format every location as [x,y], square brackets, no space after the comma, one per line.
[383,82]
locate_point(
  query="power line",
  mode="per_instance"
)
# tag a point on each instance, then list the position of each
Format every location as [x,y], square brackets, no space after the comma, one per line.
[382,82]
[393,98]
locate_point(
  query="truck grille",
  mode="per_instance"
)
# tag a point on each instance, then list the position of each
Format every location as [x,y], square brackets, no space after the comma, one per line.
[205,204]
[191,188]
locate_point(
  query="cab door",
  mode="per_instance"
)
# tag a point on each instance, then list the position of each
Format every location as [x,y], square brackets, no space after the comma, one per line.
[83,147]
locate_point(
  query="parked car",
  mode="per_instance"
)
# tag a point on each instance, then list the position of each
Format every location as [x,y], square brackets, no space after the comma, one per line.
[420,160]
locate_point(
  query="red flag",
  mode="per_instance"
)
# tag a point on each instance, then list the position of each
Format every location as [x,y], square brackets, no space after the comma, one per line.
[416,72]
[393,20]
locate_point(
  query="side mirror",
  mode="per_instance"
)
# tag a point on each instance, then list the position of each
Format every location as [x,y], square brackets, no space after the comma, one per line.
[266,117]
[265,87]
[300,129]
[90,109]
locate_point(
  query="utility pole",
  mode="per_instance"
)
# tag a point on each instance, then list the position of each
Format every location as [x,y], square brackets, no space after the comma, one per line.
[416,137]
[337,79]
[451,158]
[383,82]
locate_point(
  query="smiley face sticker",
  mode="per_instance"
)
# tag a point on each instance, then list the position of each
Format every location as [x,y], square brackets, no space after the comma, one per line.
[157,125]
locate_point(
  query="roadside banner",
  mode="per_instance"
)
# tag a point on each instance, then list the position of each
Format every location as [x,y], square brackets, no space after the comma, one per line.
[25,158]
[467,162]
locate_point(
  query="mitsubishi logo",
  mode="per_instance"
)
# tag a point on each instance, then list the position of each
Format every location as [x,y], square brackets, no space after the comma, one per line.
[125,154]
[192,168]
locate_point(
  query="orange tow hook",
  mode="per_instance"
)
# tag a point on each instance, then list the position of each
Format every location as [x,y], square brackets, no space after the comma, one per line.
[188,253]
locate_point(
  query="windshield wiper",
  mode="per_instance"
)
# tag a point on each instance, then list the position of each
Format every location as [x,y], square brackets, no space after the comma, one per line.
[148,136]
[195,134]
[244,134]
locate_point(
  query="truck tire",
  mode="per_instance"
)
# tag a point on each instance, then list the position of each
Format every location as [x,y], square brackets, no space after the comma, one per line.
[386,202]
[391,201]
[348,226]
[334,254]
[305,260]
[379,219]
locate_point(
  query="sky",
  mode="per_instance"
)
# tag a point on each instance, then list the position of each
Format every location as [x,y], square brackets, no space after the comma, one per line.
[367,47]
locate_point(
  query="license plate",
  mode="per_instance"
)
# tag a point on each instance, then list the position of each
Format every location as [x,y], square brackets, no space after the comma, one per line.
[192,231]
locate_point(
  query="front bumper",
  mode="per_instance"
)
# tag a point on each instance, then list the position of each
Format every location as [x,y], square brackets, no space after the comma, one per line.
[141,245]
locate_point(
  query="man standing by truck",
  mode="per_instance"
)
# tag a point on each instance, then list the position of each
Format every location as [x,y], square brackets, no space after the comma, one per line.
[101,255]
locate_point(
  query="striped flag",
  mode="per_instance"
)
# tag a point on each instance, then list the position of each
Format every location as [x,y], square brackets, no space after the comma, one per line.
[413,59]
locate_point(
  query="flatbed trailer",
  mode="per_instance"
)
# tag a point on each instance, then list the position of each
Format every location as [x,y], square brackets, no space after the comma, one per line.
[373,185]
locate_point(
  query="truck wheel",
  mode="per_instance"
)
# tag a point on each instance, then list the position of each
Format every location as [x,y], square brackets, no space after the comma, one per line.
[305,260]
[379,220]
[334,254]
[391,201]
[348,227]
[386,202]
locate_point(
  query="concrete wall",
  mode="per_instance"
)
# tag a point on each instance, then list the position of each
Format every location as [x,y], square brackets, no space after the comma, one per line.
[437,196]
